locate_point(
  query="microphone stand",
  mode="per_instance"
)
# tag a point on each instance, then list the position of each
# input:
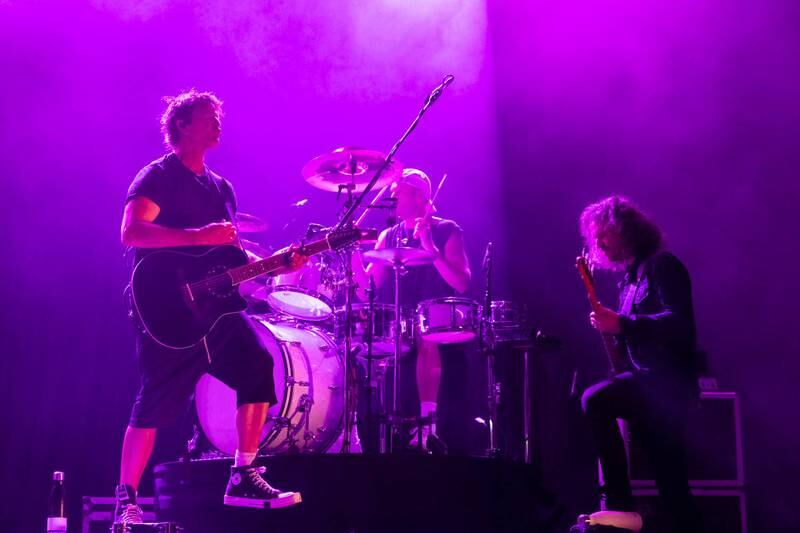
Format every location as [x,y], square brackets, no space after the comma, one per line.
[437,92]
[347,221]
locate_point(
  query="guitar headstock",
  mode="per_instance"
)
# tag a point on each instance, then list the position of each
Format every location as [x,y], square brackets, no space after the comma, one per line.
[341,238]
[582,264]
[585,272]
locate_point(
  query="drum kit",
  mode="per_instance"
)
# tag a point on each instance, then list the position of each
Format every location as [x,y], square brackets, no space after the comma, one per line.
[316,332]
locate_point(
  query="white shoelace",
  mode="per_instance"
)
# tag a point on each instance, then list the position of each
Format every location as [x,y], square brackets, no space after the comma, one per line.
[260,482]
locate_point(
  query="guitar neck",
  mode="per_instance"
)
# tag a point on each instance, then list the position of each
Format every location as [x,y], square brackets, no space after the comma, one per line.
[275,262]
[616,358]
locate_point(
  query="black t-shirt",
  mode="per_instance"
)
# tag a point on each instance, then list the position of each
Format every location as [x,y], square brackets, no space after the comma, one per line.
[420,282]
[186,200]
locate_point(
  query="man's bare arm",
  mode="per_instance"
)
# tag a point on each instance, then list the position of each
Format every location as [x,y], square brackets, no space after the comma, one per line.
[453,264]
[139,230]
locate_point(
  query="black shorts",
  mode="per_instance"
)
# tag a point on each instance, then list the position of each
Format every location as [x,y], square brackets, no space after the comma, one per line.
[235,356]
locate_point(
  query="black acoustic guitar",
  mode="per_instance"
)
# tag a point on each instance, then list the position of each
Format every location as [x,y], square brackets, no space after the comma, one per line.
[179,296]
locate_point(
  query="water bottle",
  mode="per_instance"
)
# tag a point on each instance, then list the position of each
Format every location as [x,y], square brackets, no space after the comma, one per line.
[56,517]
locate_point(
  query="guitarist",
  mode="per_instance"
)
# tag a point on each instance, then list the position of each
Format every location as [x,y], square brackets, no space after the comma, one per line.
[177,201]
[654,328]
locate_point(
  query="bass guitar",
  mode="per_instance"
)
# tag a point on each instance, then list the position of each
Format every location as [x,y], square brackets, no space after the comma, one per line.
[618,360]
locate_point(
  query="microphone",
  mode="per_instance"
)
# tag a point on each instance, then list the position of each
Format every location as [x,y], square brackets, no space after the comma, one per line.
[437,92]
[487,256]
[299,203]
[313,228]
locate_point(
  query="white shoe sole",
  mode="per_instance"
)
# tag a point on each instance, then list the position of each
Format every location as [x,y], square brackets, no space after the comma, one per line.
[621,519]
[284,499]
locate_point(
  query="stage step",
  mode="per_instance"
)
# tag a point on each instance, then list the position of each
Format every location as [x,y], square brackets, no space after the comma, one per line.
[364,493]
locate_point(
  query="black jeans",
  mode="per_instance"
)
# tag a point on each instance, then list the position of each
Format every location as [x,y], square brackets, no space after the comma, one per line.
[656,410]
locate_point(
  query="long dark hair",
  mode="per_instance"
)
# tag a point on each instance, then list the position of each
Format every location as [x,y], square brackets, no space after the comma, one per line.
[640,236]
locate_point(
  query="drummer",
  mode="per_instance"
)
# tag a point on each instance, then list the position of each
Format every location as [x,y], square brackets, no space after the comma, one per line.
[448,274]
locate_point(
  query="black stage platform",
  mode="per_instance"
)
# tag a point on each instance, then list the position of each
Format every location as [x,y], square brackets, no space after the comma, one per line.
[362,493]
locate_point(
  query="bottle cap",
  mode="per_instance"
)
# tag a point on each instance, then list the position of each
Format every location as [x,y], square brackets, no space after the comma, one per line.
[58,476]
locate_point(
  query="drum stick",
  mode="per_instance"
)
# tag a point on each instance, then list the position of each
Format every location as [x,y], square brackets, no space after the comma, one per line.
[438,189]
[431,207]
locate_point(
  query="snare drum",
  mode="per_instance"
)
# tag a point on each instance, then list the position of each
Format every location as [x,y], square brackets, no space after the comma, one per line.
[383,328]
[448,320]
[509,321]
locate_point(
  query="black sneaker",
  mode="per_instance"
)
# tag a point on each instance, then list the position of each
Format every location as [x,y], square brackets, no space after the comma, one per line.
[246,488]
[126,511]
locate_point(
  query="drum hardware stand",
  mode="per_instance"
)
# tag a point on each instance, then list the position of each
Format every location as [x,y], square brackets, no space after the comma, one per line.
[526,408]
[349,366]
[394,425]
[487,348]
[369,418]
[537,344]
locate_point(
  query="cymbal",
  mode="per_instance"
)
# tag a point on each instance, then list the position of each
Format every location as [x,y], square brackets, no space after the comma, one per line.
[404,256]
[255,249]
[250,223]
[348,165]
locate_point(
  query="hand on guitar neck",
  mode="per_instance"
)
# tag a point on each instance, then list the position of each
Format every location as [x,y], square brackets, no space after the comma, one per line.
[605,320]
[296,260]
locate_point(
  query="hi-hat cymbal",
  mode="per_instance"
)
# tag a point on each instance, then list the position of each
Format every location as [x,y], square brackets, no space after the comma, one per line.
[403,256]
[349,166]
[250,223]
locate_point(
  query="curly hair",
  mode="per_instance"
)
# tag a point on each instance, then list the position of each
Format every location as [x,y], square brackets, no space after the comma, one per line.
[639,235]
[180,107]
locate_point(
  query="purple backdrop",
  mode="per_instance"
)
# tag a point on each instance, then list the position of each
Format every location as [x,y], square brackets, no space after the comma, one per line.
[688,107]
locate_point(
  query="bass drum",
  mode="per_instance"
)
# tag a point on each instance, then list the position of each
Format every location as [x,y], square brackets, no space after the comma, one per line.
[309,375]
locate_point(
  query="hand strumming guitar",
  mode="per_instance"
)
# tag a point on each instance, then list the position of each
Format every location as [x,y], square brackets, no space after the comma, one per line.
[215,234]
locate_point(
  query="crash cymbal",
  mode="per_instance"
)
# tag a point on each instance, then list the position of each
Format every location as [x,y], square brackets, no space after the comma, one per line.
[404,256]
[348,165]
[250,223]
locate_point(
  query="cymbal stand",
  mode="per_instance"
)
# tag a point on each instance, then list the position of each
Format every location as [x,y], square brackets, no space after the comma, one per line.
[395,420]
[349,364]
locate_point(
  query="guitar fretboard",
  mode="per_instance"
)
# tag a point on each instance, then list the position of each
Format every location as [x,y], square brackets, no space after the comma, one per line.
[273,263]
